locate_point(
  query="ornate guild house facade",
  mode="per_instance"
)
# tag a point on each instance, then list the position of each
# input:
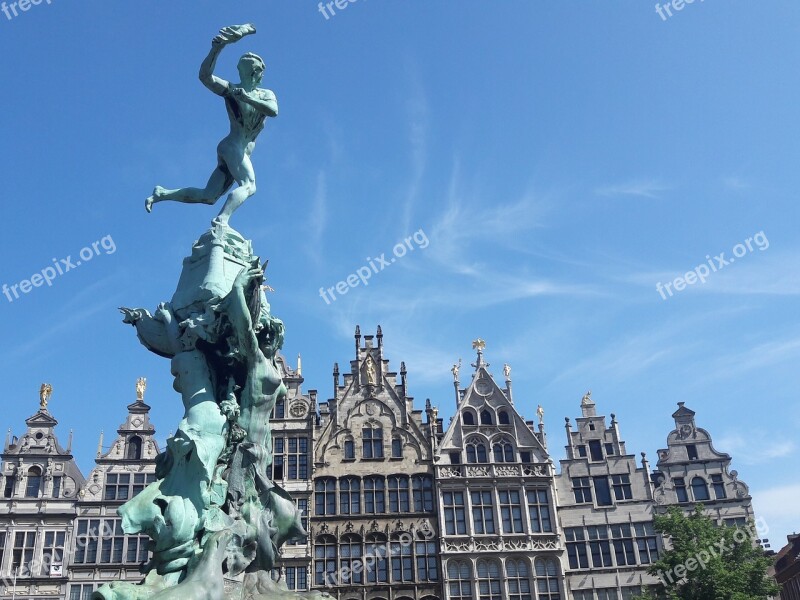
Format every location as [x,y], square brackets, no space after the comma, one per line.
[396,507]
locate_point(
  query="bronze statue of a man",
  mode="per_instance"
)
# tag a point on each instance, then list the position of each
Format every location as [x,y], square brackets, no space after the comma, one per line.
[248,107]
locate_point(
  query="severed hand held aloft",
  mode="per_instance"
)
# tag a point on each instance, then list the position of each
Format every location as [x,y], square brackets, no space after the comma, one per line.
[229,35]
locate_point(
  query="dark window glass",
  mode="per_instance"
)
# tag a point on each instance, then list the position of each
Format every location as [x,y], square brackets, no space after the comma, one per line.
[700,489]
[596,450]
[691,450]
[719,487]
[33,487]
[602,491]
[680,489]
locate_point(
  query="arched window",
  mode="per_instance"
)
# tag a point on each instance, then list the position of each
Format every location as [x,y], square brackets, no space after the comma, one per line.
[325,497]
[377,551]
[398,494]
[489,583]
[325,561]
[350,556]
[34,486]
[468,417]
[519,583]
[547,579]
[459,575]
[134,449]
[349,496]
[476,452]
[699,489]
[503,418]
[374,495]
[279,412]
[486,417]
[503,452]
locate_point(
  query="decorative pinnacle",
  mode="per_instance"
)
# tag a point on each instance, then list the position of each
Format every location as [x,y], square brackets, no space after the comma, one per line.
[480,346]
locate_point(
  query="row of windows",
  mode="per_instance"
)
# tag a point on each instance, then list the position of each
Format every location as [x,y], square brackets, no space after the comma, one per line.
[34,487]
[628,593]
[24,546]
[620,548]
[490,507]
[374,560]
[489,583]
[101,541]
[290,458]
[596,450]
[469,418]
[372,445]
[124,486]
[620,485]
[699,488]
[403,493]
[295,578]
[502,451]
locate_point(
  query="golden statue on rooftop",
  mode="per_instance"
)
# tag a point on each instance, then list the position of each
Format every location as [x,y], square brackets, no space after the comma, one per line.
[141,388]
[44,395]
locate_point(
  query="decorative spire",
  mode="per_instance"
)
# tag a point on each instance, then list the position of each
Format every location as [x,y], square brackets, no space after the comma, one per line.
[100,445]
[480,346]
[45,391]
[299,365]
[380,336]
[141,388]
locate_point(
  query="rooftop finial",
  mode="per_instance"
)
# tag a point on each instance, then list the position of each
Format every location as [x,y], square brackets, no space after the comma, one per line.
[299,365]
[587,398]
[480,346]
[45,391]
[141,388]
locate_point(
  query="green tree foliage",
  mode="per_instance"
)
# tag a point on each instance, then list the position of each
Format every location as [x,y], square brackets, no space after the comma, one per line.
[709,562]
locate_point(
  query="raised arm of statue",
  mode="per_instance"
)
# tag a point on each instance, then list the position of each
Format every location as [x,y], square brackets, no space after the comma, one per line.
[227,35]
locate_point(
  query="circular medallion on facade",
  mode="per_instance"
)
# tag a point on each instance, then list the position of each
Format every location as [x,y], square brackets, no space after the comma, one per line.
[483,387]
[685,431]
[137,422]
[297,410]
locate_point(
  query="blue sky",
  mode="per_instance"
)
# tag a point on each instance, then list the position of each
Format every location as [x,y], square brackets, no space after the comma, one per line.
[561,158]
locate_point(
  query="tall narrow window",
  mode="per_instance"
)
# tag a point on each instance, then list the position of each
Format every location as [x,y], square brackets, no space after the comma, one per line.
[539,511]
[24,543]
[398,494]
[298,458]
[57,486]
[476,452]
[377,551]
[278,450]
[402,559]
[680,489]
[602,491]
[279,412]
[599,546]
[325,570]
[53,551]
[8,490]
[503,418]
[423,493]
[691,450]
[700,489]
[468,418]
[325,497]
[719,487]
[349,450]
[33,488]
[349,558]
[547,579]
[426,561]
[397,447]
[455,520]
[373,442]
[489,582]
[510,511]
[374,495]
[134,449]
[486,417]
[459,575]
[519,583]
[482,512]
[349,496]
[503,452]
[623,544]
[596,450]
[647,543]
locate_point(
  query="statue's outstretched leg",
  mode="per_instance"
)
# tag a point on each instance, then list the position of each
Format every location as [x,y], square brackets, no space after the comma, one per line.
[220,182]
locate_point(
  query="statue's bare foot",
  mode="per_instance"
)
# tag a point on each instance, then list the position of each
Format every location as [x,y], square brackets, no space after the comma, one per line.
[158,193]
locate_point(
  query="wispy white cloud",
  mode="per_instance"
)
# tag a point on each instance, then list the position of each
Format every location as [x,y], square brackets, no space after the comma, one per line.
[779,508]
[644,188]
[755,447]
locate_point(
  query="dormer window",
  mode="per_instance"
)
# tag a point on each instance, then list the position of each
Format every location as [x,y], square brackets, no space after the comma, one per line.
[486,417]
[591,426]
[469,418]
[34,486]
[596,450]
[503,418]
[134,449]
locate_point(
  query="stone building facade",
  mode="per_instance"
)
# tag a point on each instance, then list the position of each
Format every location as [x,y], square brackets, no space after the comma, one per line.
[100,552]
[500,538]
[787,569]
[373,520]
[605,508]
[396,507]
[690,471]
[41,481]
